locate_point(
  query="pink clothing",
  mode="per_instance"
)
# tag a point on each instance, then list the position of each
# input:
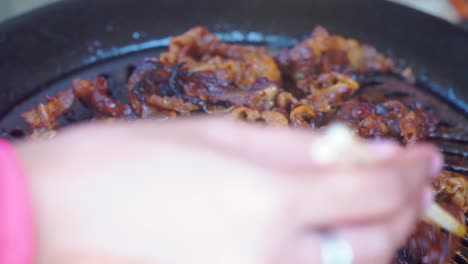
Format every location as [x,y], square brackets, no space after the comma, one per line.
[16,225]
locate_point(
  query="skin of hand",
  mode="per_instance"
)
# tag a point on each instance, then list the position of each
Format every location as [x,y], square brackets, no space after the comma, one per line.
[216,192]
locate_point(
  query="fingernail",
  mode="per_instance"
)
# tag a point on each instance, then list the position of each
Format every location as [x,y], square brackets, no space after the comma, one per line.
[427,198]
[437,163]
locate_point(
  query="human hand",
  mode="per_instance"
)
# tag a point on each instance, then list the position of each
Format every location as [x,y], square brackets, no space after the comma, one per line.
[209,191]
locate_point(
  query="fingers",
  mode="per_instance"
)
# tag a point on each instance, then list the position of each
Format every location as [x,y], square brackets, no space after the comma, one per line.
[316,195]
[285,149]
[350,195]
[334,196]
[279,148]
[378,242]
[371,243]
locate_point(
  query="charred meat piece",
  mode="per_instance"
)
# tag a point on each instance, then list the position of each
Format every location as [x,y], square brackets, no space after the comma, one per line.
[94,94]
[333,86]
[46,117]
[271,118]
[285,100]
[195,88]
[323,53]
[303,116]
[238,64]
[416,125]
[391,118]
[172,104]
[324,94]
[454,186]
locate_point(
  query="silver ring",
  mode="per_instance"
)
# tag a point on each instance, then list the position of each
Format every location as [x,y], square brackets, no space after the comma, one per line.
[336,250]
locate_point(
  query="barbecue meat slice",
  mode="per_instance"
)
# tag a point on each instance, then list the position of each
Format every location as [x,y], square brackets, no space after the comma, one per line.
[95,95]
[455,186]
[240,65]
[270,118]
[375,118]
[323,53]
[46,117]
[197,90]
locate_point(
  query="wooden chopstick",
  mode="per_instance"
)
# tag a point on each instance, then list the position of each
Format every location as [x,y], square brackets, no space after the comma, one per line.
[341,146]
[437,215]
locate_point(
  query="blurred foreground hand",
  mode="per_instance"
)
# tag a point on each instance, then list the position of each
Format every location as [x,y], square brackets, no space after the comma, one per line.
[214,192]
